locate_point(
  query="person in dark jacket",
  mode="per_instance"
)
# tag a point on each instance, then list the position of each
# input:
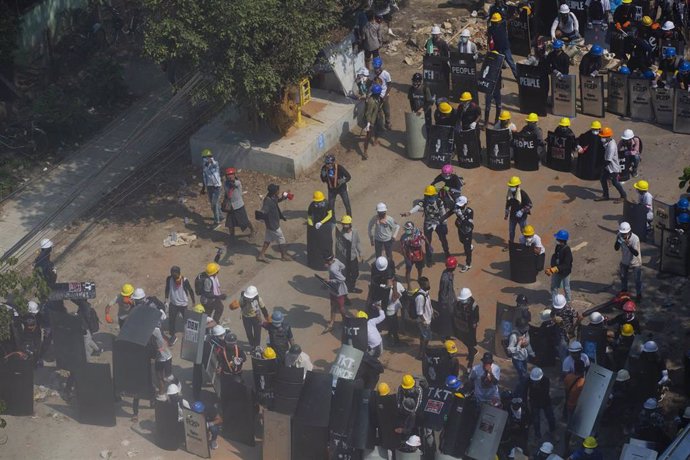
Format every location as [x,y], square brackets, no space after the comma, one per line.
[496,97]
[533,130]
[468,113]
[591,62]
[231,357]
[421,99]
[369,371]
[445,115]
[178,292]
[557,62]
[539,400]
[279,335]
[561,265]
[446,295]
[272,216]
[624,16]
[336,177]
[498,35]
[518,207]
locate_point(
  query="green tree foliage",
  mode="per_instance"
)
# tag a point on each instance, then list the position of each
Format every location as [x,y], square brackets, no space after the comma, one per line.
[684,179]
[250,50]
[18,288]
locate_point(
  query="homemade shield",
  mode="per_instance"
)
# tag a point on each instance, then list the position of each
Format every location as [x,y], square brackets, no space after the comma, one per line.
[664,218]
[288,385]
[640,99]
[436,404]
[73,291]
[498,149]
[169,433]
[240,406]
[636,215]
[487,432]
[674,253]
[505,316]
[68,341]
[277,436]
[525,152]
[457,432]
[590,161]
[440,148]
[617,100]
[579,9]
[132,369]
[618,44]
[681,112]
[340,448]
[94,386]
[523,264]
[533,88]
[388,419]
[559,151]
[436,75]
[415,137]
[264,371]
[362,427]
[17,385]
[408,455]
[319,242]
[346,363]
[355,333]
[519,33]
[436,365]
[343,406]
[592,400]
[141,322]
[635,452]
[564,94]
[196,436]
[541,340]
[468,148]
[593,341]
[463,75]
[662,103]
[592,95]
[314,404]
[490,73]
[193,339]
[309,442]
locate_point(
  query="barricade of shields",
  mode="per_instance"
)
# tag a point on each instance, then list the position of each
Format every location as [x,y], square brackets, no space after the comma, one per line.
[468,148]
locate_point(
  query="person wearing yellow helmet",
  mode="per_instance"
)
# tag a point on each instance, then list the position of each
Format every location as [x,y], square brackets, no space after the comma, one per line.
[434,211]
[590,446]
[646,199]
[336,177]
[624,16]
[468,112]
[565,137]
[348,239]
[409,399]
[454,356]
[233,204]
[123,302]
[319,230]
[518,207]
[445,114]
[212,184]
[497,32]
[589,153]
[208,287]
[505,122]
[534,132]
[530,239]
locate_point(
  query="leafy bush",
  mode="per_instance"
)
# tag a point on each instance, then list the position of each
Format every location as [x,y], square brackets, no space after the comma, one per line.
[63,116]
[103,83]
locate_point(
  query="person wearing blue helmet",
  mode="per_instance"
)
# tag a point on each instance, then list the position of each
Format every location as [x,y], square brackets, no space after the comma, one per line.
[279,335]
[591,62]
[214,421]
[561,265]
[557,62]
[668,66]
[453,383]
[683,76]
[374,117]
[683,222]
[382,77]
[624,70]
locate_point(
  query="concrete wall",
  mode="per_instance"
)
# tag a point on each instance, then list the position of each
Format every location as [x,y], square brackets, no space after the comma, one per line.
[43,15]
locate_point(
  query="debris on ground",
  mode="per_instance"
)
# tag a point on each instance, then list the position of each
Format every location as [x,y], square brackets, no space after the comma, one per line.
[105,454]
[178,239]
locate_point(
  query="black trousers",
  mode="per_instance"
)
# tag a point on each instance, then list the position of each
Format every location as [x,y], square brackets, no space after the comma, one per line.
[466,241]
[252,327]
[342,191]
[214,308]
[441,231]
[173,311]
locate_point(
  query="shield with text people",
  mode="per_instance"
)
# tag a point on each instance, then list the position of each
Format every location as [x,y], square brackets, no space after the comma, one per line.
[559,151]
[681,112]
[640,99]
[355,333]
[592,95]
[533,88]
[525,152]
[662,103]
[490,72]
[436,72]
[346,363]
[592,401]
[463,75]
[617,98]
[505,316]
[436,365]
[498,143]
[440,148]
[468,148]
[519,32]
[564,95]
[579,9]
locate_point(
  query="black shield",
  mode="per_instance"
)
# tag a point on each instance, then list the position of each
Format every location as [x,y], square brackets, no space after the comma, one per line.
[436,365]
[681,112]
[617,100]
[505,316]
[593,341]
[525,152]
[94,387]
[141,322]
[640,94]
[619,43]
[314,404]
[17,385]
[343,406]
[439,149]
[309,442]
[592,95]
[541,339]
[319,243]
[559,152]
[490,72]
[564,95]
[388,420]
[68,340]
[288,385]
[636,215]
[132,369]
[458,429]
[674,253]
[498,149]
[436,404]
[340,448]
[73,291]
[662,102]
[579,9]
[240,409]
[264,371]
[590,161]
[533,88]
[463,75]
[436,73]
[362,436]
[523,264]
[468,148]
[355,333]
[596,35]
[343,247]
[169,433]
[519,33]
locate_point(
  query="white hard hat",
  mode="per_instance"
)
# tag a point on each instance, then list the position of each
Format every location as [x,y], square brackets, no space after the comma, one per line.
[564,9]
[436,30]
[414,441]
[251,292]
[138,294]
[559,301]
[381,263]
[33,307]
[545,315]
[465,294]
[381,207]
[461,201]
[686,412]
[668,25]
[650,347]
[622,375]
[650,404]
[624,227]
[218,330]
[514,451]
[596,318]
[363,71]
[46,243]
[627,134]
[536,374]
[546,448]
[575,346]
[172,389]
[465,33]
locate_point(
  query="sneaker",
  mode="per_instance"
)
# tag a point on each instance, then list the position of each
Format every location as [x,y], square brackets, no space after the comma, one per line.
[602,198]
[214,445]
[465,268]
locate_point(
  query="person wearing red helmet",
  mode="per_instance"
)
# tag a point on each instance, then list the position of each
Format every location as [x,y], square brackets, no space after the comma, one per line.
[233,205]
[627,317]
[447,297]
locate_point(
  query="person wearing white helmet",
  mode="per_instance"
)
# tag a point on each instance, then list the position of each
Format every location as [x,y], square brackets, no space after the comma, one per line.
[539,400]
[411,445]
[252,306]
[467,46]
[465,322]
[631,258]
[45,266]
[575,353]
[31,333]
[545,451]
[464,222]
[567,320]
[566,26]
[630,148]
[436,45]
[520,351]
[383,230]
[382,277]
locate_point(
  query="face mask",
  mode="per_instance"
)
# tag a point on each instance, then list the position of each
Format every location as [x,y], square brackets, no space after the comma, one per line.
[445,176]
[513,189]
[589,451]
[529,239]
[381,215]
[595,132]
[464,39]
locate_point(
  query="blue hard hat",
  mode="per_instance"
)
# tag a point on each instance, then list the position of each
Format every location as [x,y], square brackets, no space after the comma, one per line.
[684,66]
[376,89]
[669,52]
[683,218]
[377,62]
[453,382]
[649,74]
[624,70]
[562,235]
[683,203]
[198,407]
[557,44]
[277,317]
[597,50]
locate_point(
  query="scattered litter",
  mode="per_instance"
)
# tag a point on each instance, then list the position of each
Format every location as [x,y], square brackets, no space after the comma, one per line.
[178,239]
[106,454]
[125,442]
[132,453]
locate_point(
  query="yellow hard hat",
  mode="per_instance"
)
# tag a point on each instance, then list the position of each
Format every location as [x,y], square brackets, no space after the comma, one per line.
[430,190]
[318,196]
[532,118]
[269,353]
[466,96]
[514,181]
[362,314]
[496,17]
[505,115]
[127,290]
[590,442]
[450,346]
[627,330]
[596,124]
[565,122]
[626,1]
[198,308]
[383,389]
[528,230]
[647,21]
[212,269]
[641,185]
[407,381]
[346,220]
[206,153]
[445,108]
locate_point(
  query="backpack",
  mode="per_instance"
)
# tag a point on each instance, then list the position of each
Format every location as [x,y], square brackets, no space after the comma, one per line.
[640,141]
[199,283]
[92,320]
[412,305]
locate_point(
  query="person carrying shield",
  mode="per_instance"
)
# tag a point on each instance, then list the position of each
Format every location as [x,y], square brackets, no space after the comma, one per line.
[468,113]
[591,63]
[557,62]
[497,38]
[467,46]
[421,99]
[533,130]
[435,45]
[683,76]
[518,207]
[351,235]
[434,210]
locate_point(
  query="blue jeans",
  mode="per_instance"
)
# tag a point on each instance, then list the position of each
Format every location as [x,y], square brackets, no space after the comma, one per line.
[214,430]
[510,61]
[514,222]
[521,368]
[637,274]
[214,199]
[536,418]
[557,281]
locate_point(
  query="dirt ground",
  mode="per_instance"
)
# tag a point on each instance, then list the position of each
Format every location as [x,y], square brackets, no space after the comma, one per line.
[124,243]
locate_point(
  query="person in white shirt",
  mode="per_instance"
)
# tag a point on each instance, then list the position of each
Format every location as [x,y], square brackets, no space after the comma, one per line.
[425,314]
[295,357]
[565,26]
[374,340]
[631,257]
[484,378]
[611,167]
[467,46]
[531,239]
[574,352]
[395,292]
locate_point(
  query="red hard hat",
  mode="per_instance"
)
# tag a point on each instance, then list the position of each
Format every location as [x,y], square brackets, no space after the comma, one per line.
[629,306]
[451,262]
[229,171]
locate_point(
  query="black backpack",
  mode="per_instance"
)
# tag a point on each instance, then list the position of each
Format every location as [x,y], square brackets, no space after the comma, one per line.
[92,320]
[199,283]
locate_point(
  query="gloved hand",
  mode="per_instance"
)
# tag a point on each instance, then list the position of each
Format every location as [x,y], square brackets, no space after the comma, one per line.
[558,74]
[664,378]
[518,214]
[366,128]
[317,225]
[473,125]
[594,74]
